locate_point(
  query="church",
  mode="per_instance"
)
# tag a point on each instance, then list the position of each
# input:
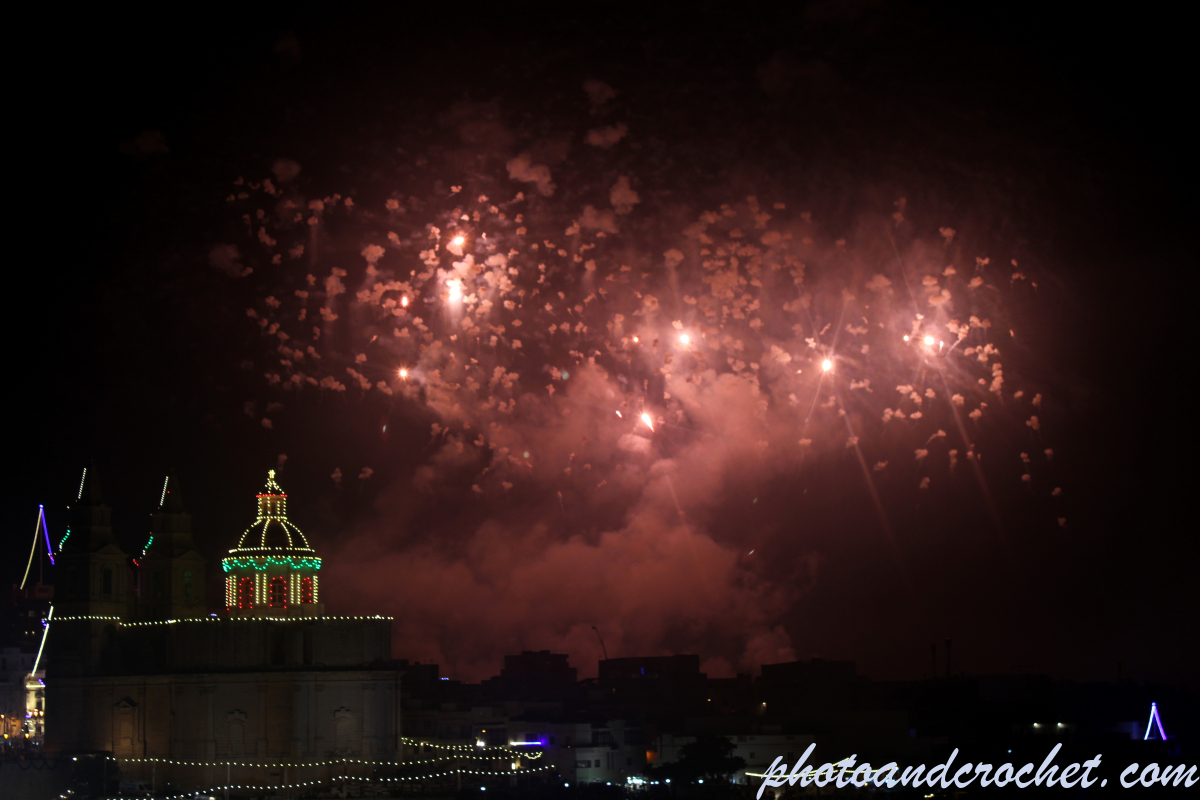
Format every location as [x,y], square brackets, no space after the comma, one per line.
[266,690]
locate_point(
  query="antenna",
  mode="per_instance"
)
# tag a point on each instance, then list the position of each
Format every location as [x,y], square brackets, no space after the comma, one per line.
[602,648]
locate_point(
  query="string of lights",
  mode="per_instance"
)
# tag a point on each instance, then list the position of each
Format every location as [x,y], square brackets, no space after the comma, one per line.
[469,748]
[330,781]
[272,508]
[124,624]
[39,527]
[331,762]
[809,771]
[268,549]
[263,562]
[78,498]
[297,765]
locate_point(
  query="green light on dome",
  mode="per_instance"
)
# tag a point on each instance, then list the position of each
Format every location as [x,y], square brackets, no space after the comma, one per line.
[264,562]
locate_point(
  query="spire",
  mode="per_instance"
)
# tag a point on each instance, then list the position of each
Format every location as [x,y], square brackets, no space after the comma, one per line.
[171,501]
[90,519]
[89,488]
[171,526]
[170,571]
[90,577]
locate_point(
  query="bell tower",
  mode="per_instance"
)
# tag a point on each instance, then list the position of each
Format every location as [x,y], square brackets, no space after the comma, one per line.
[170,570]
[272,572]
[91,569]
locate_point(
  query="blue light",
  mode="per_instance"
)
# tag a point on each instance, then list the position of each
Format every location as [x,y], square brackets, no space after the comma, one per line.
[1154,718]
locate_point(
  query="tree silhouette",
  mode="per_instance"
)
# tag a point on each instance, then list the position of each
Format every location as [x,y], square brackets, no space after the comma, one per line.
[709,757]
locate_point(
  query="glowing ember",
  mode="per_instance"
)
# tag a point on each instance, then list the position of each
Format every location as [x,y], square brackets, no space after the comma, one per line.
[826,365]
[403,372]
[929,340]
[684,338]
[649,423]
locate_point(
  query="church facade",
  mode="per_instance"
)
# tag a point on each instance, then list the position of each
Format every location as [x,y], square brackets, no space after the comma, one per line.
[194,697]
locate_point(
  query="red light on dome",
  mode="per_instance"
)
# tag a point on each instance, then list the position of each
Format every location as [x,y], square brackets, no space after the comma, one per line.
[278,593]
[245,593]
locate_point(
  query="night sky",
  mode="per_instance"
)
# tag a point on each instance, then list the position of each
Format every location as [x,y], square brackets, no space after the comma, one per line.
[1057,142]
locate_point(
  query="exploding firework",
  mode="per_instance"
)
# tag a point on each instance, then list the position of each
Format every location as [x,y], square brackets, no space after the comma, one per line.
[538,336]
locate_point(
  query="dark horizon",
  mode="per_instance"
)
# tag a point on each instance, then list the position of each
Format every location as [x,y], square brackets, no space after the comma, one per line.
[1048,144]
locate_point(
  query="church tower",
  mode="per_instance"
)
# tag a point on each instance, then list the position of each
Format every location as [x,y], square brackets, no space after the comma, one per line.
[272,572]
[170,570]
[91,576]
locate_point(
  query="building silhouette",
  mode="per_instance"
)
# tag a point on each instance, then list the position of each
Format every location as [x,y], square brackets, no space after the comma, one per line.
[139,667]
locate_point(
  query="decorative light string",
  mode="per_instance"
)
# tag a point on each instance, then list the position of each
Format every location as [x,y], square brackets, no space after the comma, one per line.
[330,781]
[121,623]
[42,646]
[811,771]
[469,748]
[272,508]
[263,562]
[37,528]
[78,498]
[328,763]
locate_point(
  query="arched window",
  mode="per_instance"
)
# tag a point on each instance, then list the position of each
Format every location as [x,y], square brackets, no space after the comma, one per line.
[245,593]
[278,593]
[106,582]
[306,590]
[187,584]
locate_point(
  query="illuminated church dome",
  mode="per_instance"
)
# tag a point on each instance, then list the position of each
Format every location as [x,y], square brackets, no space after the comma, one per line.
[273,571]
